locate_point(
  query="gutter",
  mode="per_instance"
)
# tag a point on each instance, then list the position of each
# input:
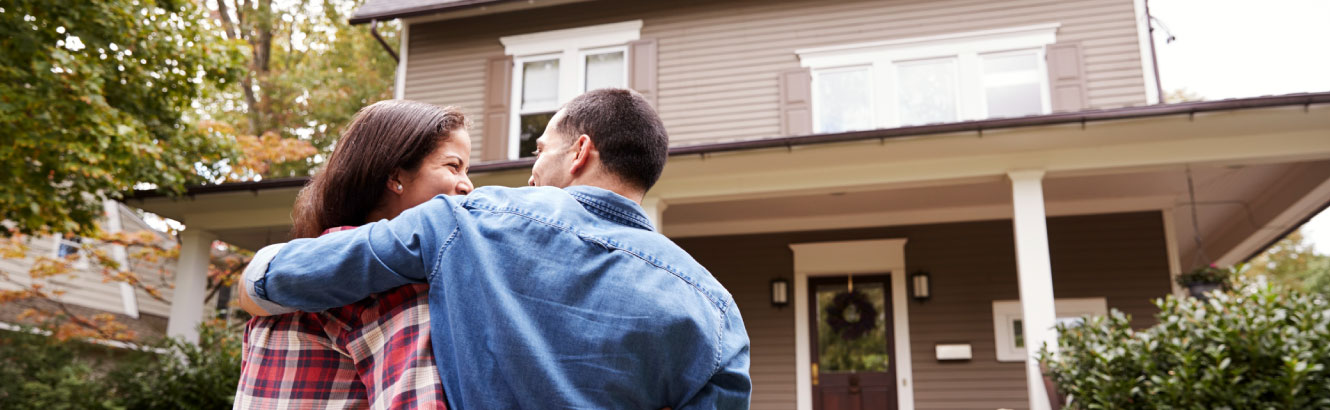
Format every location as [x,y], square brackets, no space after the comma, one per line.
[374,31]
[979,126]
[422,10]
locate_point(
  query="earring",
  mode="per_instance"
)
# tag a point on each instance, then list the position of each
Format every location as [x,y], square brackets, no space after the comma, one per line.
[399,188]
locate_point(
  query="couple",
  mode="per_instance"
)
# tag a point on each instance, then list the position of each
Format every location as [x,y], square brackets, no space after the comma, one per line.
[560,295]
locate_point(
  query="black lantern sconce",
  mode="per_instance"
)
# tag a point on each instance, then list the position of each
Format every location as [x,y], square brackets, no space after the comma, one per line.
[780,292]
[921,286]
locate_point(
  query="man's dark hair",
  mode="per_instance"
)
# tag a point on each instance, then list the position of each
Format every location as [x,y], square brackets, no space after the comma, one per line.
[624,128]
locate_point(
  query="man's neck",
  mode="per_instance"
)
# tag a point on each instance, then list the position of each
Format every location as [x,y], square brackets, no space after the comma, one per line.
[613,185]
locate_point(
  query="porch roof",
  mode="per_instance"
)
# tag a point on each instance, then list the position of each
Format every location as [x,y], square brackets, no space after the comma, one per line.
[1268,158]
[977,126]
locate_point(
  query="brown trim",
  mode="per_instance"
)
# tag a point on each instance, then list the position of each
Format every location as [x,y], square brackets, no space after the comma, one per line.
[1304,99]
[438,7]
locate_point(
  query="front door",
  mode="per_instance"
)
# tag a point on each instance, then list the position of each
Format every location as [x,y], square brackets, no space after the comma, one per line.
[852,343]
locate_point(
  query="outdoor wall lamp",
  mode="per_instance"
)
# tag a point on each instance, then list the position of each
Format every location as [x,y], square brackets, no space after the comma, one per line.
[780,292]
[919,286]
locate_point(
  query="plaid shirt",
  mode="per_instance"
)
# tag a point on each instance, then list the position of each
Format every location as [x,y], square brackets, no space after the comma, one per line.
[375,353]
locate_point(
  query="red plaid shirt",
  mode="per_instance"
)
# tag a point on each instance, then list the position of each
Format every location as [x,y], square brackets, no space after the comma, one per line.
[372,354]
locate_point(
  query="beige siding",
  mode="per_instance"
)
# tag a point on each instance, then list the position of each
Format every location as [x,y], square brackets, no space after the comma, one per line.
[1120,257]
[719,59]
[158,274]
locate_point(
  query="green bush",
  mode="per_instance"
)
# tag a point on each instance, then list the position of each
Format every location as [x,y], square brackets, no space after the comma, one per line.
[39,372]
[1261,347]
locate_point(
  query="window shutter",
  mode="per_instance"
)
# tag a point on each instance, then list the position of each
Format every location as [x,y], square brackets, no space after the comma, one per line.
[796,102]
[498,92]
[1066,77]
[642,68]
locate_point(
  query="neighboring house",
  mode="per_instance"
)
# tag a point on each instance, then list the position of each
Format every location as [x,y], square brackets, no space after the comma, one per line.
[87,291]
[976,170]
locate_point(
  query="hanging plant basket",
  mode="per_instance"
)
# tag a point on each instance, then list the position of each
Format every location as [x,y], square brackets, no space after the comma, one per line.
[1206,279]
[851,315]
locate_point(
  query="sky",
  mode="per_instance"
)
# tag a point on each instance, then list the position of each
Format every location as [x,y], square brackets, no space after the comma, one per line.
[1236,49]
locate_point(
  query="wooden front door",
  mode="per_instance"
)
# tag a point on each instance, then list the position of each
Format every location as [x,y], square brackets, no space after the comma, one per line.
[851,331]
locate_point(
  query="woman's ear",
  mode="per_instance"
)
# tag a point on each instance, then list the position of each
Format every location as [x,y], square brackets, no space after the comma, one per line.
[395,182]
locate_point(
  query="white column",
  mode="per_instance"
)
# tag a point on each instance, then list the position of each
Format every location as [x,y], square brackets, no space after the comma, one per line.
[191,284]
[1035,273]
[655,209]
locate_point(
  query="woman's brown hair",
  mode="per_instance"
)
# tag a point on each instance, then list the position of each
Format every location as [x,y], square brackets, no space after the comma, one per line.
[382,138]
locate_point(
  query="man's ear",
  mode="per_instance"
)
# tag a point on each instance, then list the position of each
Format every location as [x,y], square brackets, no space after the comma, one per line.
[582,153]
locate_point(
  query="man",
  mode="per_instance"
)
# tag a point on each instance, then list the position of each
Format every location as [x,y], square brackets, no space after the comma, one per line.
[557,296]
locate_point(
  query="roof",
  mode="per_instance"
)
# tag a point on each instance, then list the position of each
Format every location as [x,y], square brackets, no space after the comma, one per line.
[1080,117]
[383,10]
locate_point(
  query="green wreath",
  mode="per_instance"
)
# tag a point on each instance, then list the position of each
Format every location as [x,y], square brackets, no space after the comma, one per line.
[843,321]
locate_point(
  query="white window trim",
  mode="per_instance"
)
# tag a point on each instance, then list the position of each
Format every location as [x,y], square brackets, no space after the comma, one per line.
[570,45]
[1007,311]
[966,47]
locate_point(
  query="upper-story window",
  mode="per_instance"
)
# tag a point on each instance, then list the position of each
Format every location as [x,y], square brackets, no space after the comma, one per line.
[70,248]
[552,67]
[928,80]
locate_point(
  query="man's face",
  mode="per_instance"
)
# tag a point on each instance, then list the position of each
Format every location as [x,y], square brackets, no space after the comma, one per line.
[554,157]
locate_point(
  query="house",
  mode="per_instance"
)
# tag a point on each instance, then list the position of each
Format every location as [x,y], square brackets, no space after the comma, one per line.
[901,195]
[86,292]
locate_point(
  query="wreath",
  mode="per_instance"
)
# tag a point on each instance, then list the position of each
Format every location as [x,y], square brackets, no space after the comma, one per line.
[851,315]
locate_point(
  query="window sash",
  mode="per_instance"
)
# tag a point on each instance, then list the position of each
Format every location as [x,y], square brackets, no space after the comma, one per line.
[819,101]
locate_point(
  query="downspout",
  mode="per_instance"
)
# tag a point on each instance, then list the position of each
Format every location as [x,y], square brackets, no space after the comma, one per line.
[374,31]
[1154,58]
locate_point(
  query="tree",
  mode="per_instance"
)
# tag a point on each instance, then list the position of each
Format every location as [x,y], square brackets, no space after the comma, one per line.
[1294,263]
[96,98]
[1182,95]
[308,72]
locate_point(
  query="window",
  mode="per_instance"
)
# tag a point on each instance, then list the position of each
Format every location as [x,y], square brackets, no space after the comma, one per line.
[70,248]
[842,101]
[553,67]
[929,80]
[1009,330]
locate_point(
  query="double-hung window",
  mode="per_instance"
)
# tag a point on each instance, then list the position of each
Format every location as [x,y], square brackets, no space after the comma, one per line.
[550,68]
[71,249]
[929,80]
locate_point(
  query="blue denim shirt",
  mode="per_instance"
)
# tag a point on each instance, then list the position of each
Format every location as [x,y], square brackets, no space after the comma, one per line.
[539,298]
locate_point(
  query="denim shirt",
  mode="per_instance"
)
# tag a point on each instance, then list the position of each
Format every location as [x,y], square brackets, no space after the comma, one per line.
[539,298]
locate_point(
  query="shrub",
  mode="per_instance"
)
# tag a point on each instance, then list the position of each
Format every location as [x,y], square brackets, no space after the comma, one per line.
[41,372]
[1259,347]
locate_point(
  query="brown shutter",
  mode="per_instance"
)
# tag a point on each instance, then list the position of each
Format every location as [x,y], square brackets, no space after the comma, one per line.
[498,92]
[796,102]
[1066,77]
[642,68]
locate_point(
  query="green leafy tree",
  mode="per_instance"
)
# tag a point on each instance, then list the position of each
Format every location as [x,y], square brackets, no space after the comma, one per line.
[1293,262]
[96,97]
[307,73]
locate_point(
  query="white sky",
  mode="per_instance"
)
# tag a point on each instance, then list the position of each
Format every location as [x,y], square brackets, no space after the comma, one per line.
[1235,49]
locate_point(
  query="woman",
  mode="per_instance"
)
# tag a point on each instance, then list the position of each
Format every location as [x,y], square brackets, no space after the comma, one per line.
[375,353]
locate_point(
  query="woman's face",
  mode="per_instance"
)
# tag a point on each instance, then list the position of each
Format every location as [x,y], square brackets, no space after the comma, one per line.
[441,172]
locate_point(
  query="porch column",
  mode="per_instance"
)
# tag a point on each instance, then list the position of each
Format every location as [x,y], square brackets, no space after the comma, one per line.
[655,208]
[191,284]
[1035,273]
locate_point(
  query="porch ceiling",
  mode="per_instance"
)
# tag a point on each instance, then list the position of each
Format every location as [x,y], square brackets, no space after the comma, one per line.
[1229,199]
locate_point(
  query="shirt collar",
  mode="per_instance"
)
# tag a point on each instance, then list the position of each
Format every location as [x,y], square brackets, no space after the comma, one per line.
[612,206]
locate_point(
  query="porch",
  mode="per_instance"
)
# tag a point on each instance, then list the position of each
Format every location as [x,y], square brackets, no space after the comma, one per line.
[1033,210]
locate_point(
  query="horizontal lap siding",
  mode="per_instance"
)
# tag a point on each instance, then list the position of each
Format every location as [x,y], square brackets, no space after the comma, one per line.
[1121,257]
[718,60]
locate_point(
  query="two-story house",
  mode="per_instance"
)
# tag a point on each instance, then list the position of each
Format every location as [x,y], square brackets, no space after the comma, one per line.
[902,195]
